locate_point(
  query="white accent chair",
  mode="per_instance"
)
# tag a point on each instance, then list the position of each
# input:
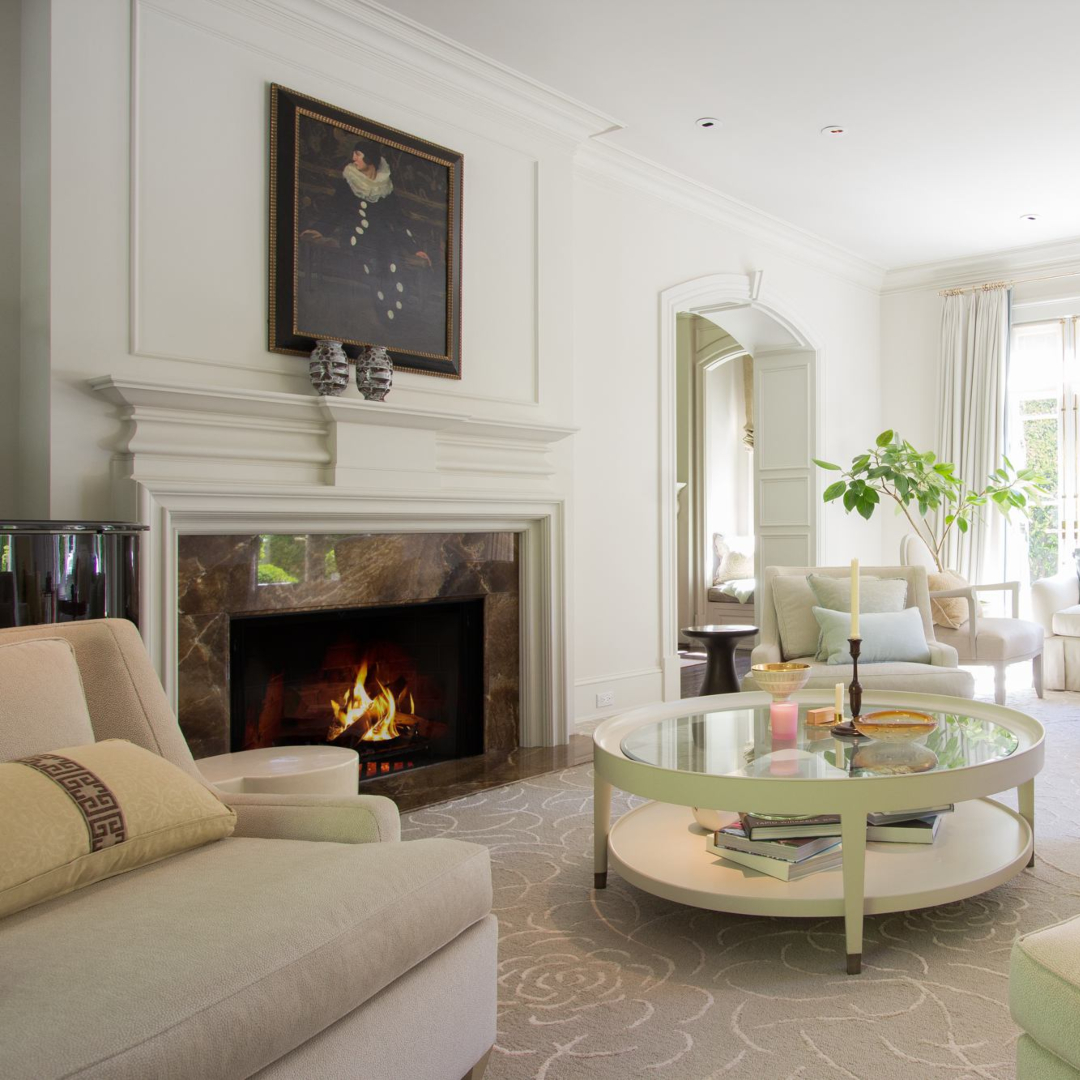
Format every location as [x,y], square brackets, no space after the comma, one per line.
[796,624]
[984,640]
[1055,603]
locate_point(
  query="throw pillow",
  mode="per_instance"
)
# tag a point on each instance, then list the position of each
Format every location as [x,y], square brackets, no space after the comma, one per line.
[887,636]
[950,611]
[875,594]
[79,815]
[793,601]
[42,705]
[737,560]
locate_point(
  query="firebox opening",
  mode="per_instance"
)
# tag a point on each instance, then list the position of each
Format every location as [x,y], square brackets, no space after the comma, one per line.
[402,685]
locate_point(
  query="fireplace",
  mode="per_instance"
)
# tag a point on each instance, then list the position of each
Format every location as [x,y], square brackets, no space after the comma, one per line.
[400,684]
[228,585]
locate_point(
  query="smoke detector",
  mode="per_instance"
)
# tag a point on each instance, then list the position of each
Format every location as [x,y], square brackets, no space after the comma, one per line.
[835,130]
[1029,217]
[707,122]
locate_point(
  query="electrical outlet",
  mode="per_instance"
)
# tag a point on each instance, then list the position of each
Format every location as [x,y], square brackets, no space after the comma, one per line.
[605,700]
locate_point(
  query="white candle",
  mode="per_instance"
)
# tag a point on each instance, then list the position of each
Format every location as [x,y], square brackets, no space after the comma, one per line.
[839,702]
[854,597]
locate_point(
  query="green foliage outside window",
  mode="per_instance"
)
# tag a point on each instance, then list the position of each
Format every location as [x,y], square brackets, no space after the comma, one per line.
[1040,434]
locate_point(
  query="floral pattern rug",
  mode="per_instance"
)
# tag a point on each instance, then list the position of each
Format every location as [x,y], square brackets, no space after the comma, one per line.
[619,983]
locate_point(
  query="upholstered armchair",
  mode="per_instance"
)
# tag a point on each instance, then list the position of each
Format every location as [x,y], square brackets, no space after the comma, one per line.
[788,631]
[1055,604]
[312,942]
[980,639]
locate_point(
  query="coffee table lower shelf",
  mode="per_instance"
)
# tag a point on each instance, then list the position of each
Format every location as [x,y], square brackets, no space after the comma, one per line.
[661,849]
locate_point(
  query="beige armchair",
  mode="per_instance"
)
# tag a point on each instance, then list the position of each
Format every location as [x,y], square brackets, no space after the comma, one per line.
[311,943]
[983,640]
[940,676]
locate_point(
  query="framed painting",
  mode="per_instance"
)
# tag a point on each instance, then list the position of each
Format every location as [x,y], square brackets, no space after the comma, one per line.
[365,237]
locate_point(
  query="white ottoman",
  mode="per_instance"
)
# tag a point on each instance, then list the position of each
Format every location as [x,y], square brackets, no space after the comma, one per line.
[285,770]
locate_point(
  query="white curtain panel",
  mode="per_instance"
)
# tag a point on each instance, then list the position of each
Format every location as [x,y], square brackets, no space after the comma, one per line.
[971,432]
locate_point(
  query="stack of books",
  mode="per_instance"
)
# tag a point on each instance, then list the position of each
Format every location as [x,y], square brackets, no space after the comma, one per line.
[792,848]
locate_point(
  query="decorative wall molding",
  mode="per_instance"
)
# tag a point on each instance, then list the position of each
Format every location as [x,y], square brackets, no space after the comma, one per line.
[1057,256]
[631,689]
[606,163]
[342,28]
[385,40]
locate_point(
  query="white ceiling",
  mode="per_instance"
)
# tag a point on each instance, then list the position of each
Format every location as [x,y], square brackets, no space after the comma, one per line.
[961,115]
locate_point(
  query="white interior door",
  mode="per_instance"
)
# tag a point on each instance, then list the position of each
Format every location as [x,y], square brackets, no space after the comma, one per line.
[785,510]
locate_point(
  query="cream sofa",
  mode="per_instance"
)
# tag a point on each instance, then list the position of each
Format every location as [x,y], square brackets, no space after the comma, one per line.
[940,676]
[1044,999]
[312,943]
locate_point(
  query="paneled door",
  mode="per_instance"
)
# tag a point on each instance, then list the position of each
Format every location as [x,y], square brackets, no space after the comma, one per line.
[785,509]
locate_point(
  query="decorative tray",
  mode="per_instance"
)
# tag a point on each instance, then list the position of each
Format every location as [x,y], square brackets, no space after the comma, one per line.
[895,725]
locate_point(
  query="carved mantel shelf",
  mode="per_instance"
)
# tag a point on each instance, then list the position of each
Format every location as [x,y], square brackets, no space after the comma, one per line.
[299,438]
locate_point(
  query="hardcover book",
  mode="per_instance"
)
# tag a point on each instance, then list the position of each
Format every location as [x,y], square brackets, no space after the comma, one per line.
[779,868]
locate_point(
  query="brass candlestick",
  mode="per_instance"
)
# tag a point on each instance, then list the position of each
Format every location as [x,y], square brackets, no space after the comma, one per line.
[846,729]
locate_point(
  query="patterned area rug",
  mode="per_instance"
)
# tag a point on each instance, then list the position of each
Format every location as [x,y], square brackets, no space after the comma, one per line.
[619,983]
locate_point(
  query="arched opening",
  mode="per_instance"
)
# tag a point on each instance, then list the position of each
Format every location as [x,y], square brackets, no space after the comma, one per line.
[783,422]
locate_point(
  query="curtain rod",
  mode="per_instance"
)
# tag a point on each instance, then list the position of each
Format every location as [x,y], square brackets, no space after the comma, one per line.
[986,286]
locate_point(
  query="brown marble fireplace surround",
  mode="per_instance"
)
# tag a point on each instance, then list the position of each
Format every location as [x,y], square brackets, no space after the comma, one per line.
[218,578]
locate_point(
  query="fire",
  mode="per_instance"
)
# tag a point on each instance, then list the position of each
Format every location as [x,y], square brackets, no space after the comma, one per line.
[376,714]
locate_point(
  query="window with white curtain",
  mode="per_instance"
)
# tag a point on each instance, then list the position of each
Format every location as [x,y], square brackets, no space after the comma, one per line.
[1043,429]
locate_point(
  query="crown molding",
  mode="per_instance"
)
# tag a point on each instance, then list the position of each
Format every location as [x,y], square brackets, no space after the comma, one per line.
[605,162]
[1055,255]
[384,40]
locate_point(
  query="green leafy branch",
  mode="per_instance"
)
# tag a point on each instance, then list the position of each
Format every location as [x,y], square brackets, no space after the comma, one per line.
[917,481]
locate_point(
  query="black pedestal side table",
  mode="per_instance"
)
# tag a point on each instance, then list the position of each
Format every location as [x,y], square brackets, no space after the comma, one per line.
[719,642]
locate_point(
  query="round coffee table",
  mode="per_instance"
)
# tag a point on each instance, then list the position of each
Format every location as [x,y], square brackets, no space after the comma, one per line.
[719,641]
[718,753]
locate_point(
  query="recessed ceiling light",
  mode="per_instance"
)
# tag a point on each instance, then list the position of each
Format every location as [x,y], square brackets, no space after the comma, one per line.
[707,122]
[1029,217]
[832,129]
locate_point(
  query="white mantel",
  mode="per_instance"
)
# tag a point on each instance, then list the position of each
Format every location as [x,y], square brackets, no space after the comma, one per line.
[195,459]
[339,441]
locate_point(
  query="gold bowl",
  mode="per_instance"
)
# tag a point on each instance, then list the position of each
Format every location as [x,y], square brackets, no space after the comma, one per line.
[895,725]
[780,680]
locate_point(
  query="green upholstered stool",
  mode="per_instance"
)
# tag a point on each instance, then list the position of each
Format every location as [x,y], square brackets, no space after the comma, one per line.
[1044,998]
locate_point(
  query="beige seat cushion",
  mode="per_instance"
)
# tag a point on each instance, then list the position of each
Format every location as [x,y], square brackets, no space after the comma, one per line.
[998,639]
[42,705]
[718,597]
[216,962]
[916,678]
[1066,622]
[1044,988]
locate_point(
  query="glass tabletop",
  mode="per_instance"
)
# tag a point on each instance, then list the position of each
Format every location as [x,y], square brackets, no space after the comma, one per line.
[739,742]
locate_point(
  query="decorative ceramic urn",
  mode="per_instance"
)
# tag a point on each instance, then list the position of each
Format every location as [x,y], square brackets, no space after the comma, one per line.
[374,372]
[328,368]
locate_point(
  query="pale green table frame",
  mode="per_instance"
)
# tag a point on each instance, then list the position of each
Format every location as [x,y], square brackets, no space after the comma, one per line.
[853,798]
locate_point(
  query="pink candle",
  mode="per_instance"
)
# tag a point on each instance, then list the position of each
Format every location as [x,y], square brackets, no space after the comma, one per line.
[784,718]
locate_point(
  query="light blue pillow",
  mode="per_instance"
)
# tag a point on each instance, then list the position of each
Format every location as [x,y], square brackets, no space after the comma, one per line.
[891,636]
[875,594]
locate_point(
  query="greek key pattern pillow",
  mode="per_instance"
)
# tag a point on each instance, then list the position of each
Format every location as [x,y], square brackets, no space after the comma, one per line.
[78,815]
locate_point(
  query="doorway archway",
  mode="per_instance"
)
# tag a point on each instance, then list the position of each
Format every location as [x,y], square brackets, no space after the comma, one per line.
[787,362]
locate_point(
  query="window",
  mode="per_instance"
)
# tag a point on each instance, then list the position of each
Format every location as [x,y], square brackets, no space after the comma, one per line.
[1043,429]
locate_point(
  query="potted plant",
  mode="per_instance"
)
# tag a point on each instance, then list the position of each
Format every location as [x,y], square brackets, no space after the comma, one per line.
[916,480]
